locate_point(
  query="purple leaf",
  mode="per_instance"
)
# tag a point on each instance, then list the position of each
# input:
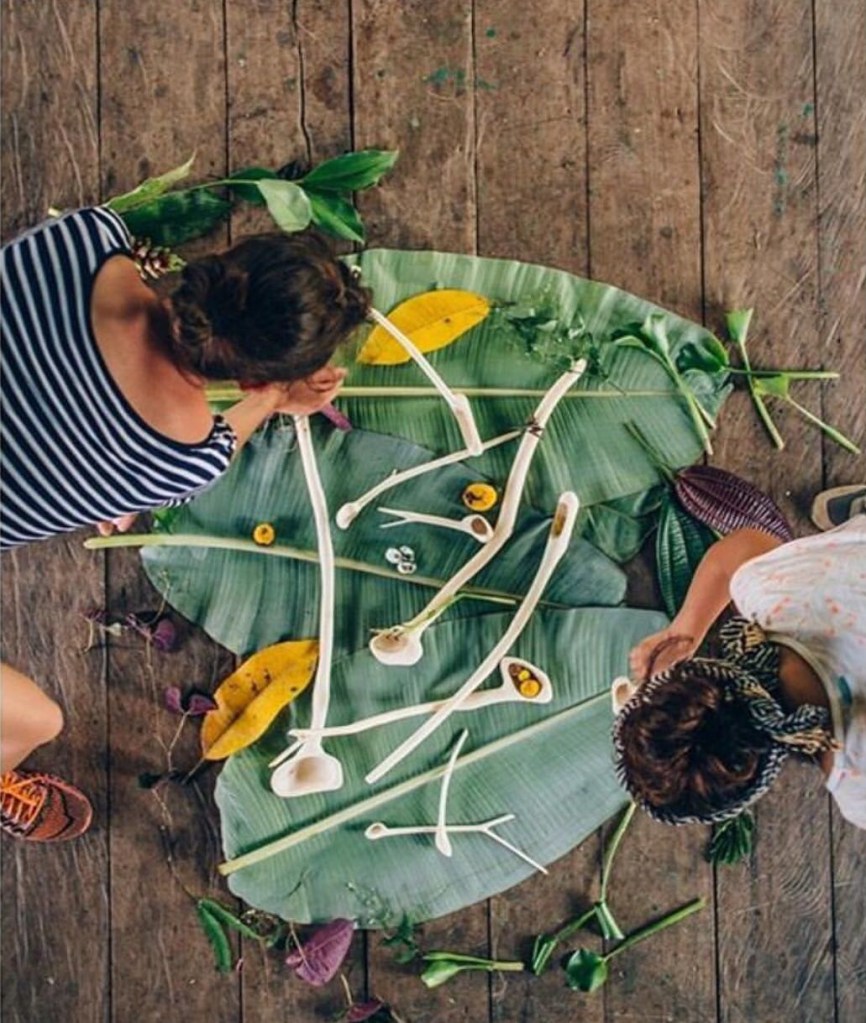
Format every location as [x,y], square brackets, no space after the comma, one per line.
[164,636]
[174,700]
[364,1010]
[198,704]
[335,416]
[318,959]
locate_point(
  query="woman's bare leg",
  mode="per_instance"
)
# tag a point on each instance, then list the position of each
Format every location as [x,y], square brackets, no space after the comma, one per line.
[28,717]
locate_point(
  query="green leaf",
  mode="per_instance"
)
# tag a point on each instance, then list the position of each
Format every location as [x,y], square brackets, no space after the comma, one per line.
[350,172]
[732,840]
[440,971]
[251,193]
[710,356]
[681,542]
[226,917]
[150,189]
[217,937]
[654,332]
[177,217]
[778,386]
[586,971]
[336,215]
[287,203]
[737,322]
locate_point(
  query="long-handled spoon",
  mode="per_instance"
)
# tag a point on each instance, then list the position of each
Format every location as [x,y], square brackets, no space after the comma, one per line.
[475,525]
[347,513]
[443,842]
[508,691]
[401,644]
[558,540]
[311,769]
[458,403]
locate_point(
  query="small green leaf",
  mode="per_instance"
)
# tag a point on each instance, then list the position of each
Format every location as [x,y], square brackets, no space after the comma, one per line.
[542,949]
[586,971]
[737,323]
[350,172]
[226,917]
[710,356]
[217,937]
[655,333]
[251,193]
[610,929]
[150,189]
[287,203]
[440,971]
[777,385]
[336,215]
[681,542]
[177,217]
[732,840]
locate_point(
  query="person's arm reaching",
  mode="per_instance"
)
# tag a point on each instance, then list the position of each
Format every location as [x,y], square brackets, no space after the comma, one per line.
[708,595]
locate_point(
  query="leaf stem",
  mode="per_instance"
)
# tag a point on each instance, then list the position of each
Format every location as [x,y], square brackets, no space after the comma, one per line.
[610,852]
[657,925]
[831,431]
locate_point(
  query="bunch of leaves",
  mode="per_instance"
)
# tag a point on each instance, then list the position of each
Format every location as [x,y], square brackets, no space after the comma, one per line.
[776,383]
[403,941]
[732,840]
[540,332]
[218,920]
[684,366]
[168,216]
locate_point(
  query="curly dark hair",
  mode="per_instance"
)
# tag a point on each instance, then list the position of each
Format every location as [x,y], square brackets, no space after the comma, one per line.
[688,746]
[273,308]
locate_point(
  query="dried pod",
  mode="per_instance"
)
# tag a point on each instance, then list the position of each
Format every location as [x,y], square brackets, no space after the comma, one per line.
[725,502]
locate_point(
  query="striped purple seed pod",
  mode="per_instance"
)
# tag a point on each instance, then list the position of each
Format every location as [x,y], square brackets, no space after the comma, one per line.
[725,502]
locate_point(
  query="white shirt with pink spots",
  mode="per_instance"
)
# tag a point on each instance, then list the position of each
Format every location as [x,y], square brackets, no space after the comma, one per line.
[814,591]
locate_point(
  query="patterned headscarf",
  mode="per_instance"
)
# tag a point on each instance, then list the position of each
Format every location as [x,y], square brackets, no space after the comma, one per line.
[748,672]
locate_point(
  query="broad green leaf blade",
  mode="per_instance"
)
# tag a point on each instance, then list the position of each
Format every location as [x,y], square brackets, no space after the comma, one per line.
[177,217]
[549,764]
[250,193]
[287,203]
[151,188]
[248,601]
[350,172]
[336,215]
[681,542]
[586,445]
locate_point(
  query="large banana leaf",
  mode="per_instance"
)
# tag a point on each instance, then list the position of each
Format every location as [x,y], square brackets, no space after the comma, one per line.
[586,444]
[550,765]
[247,600]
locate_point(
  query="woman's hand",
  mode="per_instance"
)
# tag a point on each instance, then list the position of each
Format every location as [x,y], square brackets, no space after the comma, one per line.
[303,397]
[660,651]
[122,523]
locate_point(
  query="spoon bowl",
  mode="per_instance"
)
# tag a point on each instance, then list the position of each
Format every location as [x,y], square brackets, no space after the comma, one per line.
[310,770]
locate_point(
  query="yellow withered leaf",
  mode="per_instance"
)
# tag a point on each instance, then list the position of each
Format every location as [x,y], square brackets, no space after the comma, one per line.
[431,320]
[252,696]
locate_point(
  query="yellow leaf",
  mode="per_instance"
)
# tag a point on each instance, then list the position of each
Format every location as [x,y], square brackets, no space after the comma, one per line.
[252,696]
[431,320]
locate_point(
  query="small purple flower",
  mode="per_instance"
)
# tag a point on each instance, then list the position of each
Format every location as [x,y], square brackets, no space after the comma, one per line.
[335,416]
[364,1010]
[194,704]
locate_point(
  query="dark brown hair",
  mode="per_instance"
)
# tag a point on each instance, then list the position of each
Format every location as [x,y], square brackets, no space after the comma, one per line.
[273,308]
[687,746]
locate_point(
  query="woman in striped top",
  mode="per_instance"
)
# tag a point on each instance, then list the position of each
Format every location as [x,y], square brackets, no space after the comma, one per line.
[104,412]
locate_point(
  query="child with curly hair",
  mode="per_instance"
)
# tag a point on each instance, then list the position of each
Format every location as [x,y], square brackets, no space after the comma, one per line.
[699,739]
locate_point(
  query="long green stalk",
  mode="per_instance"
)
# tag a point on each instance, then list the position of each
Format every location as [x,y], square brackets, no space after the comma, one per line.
[230,393]
[658,925]
[227,543]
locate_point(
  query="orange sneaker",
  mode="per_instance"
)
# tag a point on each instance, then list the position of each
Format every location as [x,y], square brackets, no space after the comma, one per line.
[41,808]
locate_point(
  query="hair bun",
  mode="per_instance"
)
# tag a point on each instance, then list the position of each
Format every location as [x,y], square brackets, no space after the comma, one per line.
[225,299]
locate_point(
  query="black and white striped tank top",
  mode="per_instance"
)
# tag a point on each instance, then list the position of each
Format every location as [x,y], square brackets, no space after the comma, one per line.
[73,451]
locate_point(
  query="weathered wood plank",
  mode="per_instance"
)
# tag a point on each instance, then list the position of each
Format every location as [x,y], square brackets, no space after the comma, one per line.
[163,97]
[532,205]
[288,98]
[55,897]
[413,86]
[760,249]
[531,148]
[644,220]
[840,77]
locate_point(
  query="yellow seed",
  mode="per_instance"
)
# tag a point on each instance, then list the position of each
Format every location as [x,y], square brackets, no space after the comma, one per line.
[264,534]
[524,673]
[529,688]
[480,496]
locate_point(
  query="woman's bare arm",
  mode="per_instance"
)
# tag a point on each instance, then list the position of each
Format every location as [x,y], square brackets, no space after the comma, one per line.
[708,595]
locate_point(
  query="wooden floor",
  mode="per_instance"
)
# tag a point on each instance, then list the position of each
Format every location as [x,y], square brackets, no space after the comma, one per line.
[706,154]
